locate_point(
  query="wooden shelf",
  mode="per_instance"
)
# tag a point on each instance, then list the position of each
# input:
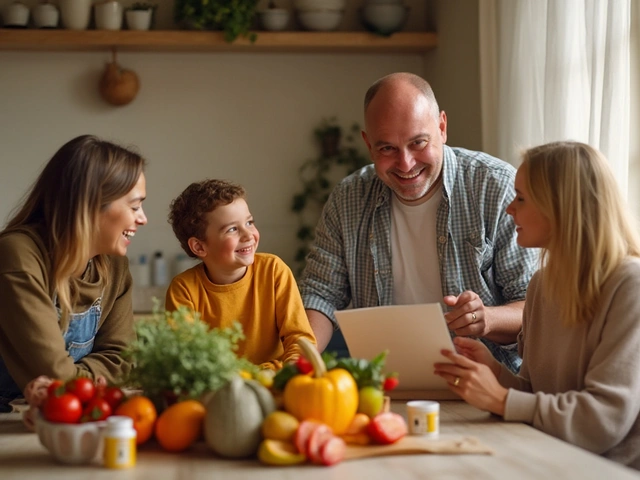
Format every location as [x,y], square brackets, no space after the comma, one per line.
[198,41]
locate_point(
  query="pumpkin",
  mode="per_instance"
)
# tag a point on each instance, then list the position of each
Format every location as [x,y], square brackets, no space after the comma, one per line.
[234,416]
[330,397]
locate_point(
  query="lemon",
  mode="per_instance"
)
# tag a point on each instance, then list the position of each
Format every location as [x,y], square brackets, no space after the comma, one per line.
[280,425]
[265,377]
[277,452]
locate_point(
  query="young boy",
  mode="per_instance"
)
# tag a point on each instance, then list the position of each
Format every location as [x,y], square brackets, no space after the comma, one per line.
[212,221]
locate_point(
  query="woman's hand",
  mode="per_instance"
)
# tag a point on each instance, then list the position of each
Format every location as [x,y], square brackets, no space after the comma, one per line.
[35,393]
[473,381]
[478,352]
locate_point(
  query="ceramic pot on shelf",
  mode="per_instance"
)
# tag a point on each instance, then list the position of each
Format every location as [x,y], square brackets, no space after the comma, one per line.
[273,18]
[45,15]
[139,19]
[108,15]
[75,14]
[15,15]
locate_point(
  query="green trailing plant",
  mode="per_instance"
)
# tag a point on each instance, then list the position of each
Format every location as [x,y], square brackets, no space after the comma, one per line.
[338,158]
[176,354]
[234,17]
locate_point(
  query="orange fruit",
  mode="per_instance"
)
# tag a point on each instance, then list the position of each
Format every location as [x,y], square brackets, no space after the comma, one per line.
[180,425]
[143,413]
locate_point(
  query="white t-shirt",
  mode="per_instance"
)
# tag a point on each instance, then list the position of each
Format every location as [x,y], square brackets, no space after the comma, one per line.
[414,253]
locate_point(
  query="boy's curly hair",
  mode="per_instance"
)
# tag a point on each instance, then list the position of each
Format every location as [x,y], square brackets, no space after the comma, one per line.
[188,211]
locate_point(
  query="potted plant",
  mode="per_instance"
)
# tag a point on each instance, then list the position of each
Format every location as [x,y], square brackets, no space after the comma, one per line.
[177,356]
[320,175]
[140,15]
[234,17]
[328,133]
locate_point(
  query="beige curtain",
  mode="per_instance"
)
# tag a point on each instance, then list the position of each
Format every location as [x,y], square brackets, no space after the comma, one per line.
[556,70]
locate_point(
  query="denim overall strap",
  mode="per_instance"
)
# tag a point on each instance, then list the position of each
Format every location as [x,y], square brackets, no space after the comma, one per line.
[82,329]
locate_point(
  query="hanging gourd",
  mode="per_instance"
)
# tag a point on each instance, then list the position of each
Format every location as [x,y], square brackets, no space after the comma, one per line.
[234,416]
[118,86]
[330,397]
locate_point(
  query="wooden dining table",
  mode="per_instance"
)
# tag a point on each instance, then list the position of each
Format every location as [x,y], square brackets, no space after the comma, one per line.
[519,452]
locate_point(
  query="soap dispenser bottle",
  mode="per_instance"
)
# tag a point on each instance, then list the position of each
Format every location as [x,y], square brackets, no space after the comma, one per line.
[160,278]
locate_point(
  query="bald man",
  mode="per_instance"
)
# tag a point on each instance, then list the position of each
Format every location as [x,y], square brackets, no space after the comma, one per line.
[424,223]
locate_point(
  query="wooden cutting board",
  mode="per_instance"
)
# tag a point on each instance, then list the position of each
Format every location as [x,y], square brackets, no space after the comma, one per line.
[412,444]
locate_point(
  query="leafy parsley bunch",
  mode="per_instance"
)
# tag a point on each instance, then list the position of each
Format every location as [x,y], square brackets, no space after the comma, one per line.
[177,353]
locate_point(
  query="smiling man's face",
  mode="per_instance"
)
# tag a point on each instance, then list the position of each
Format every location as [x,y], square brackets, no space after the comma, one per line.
[405,141]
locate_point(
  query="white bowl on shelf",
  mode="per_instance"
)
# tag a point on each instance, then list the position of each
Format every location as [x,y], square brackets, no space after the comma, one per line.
[384,18]
[73,443]
[274,19]
[320,20]
[317,5]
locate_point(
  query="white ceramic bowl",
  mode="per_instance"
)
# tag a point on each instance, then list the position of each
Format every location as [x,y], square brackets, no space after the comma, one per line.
[317,5]
[321,20]
[274,19]
[73,443]
[384,18]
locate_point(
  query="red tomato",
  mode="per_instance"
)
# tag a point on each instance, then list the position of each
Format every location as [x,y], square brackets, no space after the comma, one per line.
[56,387]
[81,387]
[95,410]
[64,408]
[304,365]
[113,395]
[390,383]
[387,428]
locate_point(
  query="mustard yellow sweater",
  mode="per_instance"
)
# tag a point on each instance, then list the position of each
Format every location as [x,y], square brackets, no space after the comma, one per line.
[266,301]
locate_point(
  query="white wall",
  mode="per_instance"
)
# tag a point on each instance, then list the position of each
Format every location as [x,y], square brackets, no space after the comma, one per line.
[244,117]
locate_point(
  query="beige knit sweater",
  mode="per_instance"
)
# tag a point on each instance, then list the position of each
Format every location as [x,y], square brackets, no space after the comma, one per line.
[582,384]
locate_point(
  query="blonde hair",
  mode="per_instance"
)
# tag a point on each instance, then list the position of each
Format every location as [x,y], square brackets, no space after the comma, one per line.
[591,230]
[83,177]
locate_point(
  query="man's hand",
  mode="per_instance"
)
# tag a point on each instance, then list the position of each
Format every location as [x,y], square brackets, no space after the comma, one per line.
[468,316]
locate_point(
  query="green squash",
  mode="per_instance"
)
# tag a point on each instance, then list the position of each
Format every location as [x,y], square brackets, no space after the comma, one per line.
[234,416]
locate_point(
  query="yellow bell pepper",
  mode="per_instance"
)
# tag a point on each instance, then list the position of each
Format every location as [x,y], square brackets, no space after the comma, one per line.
[330,397]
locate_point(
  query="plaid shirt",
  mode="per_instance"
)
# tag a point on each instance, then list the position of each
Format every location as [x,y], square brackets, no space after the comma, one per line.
[350,261]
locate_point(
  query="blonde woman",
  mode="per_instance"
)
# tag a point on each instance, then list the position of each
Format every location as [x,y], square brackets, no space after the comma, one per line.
[580,338]
[65,287]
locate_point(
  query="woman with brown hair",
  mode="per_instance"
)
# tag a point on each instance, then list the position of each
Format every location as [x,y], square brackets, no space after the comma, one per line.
[65,287]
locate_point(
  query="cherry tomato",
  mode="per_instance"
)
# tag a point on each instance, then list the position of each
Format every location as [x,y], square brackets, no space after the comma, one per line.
[304,365]
[95,410]
[64,408]
[81,387]
[390,383]
[113,395]
[56,387]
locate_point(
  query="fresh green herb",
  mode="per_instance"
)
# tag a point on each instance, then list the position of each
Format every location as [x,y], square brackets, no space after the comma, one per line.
[286,373]
[366,373]
[177,353]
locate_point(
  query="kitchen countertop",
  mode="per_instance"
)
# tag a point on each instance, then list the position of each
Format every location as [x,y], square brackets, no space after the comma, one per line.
[521,452]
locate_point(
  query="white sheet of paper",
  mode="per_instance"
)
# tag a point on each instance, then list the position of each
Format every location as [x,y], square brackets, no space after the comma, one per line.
[413,334]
